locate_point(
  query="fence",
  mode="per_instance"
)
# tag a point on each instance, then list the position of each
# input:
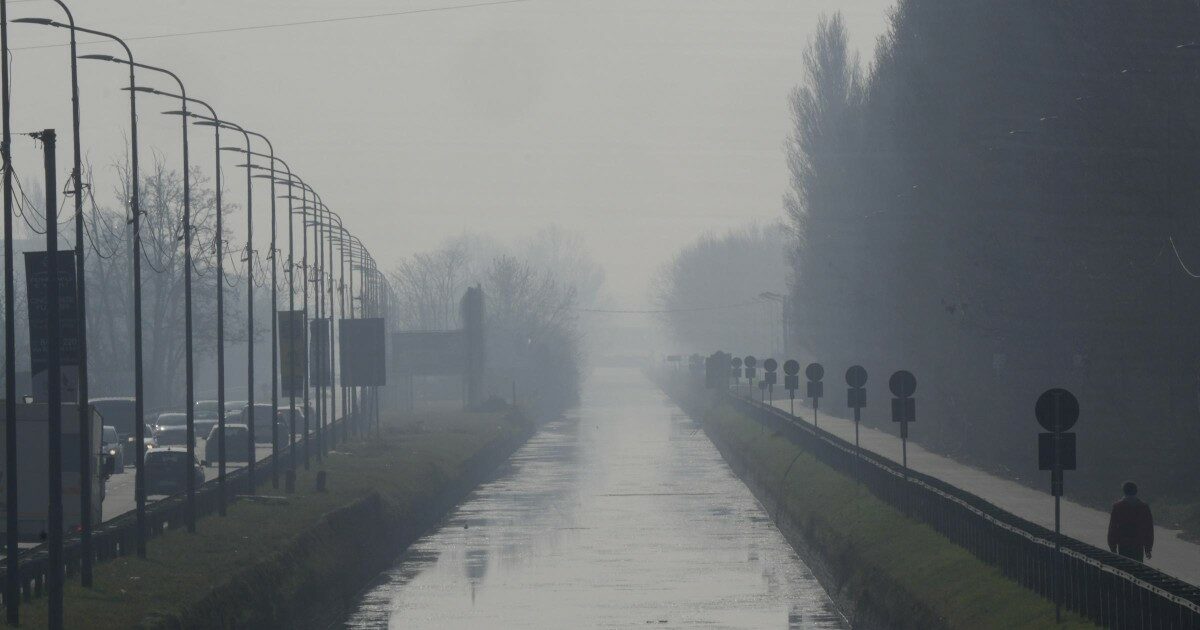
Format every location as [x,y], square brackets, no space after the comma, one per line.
[1104,587]
[118,536]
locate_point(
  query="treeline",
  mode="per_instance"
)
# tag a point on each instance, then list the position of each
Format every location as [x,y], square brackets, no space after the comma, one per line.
[532,293]
[1004,201]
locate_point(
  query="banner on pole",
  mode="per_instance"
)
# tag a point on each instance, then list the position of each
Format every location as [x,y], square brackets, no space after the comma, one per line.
[361,346]
[37,276]
[293,352]
[318,368]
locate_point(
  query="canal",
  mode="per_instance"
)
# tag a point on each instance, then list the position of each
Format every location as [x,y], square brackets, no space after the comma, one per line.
[620,514]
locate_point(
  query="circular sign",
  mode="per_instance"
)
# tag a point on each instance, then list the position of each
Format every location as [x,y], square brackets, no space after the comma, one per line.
[856,376]
[750,361]
[814,372]
[791,367]
[903,384]
[1056,410]
[736,362]
[770,365]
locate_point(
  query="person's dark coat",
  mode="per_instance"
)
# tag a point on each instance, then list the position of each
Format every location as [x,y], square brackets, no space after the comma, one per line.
[1131,525]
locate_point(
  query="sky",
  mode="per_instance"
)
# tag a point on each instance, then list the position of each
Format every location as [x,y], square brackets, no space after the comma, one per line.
[640,124]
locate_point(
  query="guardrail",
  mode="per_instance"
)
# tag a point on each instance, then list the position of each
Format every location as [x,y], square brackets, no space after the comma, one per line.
[118,536]
[1104,587]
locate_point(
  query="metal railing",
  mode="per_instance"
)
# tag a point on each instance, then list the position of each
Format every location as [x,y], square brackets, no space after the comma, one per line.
[117,537]
[1104,587]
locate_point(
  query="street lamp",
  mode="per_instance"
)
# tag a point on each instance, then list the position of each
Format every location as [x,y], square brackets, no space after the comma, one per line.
[135,207]
[189,363]
[85,435]
[220,255]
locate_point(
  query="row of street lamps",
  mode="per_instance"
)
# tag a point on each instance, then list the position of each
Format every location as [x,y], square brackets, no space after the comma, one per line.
[327,232]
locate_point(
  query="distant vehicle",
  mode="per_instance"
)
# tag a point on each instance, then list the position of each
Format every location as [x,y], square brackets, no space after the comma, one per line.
[171,419]
[167,470]
[168,436]
[236,449]
[33,471]
[285,416]
[204,426]
[205,409]
[118,413]
[234,406]
[111,443]
[264,415]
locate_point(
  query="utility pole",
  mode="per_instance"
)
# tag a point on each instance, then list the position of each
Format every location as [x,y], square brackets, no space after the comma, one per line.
[12,577]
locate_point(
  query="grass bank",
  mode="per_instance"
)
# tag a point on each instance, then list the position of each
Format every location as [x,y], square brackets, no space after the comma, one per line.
[883,569]
[299,562]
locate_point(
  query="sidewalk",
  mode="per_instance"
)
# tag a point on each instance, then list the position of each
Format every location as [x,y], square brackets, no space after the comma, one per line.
[1172,554]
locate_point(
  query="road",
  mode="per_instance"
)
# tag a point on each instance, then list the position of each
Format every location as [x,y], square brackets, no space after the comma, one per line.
[119,499]
[1172,554]
[620,515]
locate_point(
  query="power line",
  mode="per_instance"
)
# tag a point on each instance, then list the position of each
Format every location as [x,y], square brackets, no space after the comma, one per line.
[260,27]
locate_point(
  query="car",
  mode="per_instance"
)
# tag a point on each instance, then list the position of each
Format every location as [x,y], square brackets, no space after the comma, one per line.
[110,444]
[233,406]
[167,470]
[264,415]
[170,419]
[170,435]
[118,413]
[236,449]
[285,415]
[204,426]
[205,409]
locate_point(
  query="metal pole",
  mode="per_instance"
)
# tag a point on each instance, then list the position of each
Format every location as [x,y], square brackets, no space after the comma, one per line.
[190,375]
[85,435]
[291,276]
[322,361]
[55,575]
[332,365]
[12,578]
[220,326]
[274,333]
[307,361]
[250,323]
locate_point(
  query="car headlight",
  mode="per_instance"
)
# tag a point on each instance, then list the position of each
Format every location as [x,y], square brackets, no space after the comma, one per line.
[112,451]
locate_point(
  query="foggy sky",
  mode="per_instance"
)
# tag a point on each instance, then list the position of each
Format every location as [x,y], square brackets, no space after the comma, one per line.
[639,123]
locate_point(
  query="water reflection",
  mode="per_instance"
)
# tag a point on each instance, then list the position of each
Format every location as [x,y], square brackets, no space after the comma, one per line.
[619,514]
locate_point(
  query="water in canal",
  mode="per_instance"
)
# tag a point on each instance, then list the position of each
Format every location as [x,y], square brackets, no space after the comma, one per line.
[619,515]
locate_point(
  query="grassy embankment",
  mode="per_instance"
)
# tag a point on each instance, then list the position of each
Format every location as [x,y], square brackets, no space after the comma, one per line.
[303,550]
[876,562]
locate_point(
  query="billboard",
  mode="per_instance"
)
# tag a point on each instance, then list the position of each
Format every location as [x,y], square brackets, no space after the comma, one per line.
[438,353]
[293,352]
[361,351]
[37,276]
[318,371]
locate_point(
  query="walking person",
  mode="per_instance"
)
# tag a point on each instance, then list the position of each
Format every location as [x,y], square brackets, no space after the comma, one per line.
[1131,526]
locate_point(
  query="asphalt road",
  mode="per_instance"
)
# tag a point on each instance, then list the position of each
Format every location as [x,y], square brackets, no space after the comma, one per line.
[119,499]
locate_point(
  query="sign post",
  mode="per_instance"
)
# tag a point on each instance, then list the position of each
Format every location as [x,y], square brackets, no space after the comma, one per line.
[856,399]
[816,389]
[750,363]
[1056,410]
[904,408]
[791,382]
[735,371]
[769,366]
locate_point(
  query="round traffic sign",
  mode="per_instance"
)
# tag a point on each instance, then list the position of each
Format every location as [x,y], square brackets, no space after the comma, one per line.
[791,367]
[770,365]
[736,362]
[750,361]
[856,376]
[903,384]
[1056,410]
[814,372]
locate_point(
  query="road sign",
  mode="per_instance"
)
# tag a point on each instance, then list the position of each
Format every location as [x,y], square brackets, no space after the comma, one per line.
[856,396]
[750,361]
[1064,443]
[770,365]
[1057,410]
[791,382]
[856,376]
[814,372]
[362,352]
[770,378]
[736,362]
[904,410]
[791,367]
[903,384]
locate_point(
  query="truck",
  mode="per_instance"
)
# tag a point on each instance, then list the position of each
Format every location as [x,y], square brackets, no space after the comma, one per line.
[33,487]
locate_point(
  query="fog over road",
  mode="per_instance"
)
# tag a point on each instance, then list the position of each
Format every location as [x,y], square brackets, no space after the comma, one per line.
[621,514]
